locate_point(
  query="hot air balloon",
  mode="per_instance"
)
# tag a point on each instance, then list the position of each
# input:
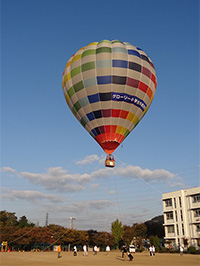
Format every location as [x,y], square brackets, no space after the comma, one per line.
[109,86]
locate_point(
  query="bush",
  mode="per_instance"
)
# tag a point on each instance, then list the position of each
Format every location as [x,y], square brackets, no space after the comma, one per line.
[164,250]
[193,250]
[140,249]
[174,250]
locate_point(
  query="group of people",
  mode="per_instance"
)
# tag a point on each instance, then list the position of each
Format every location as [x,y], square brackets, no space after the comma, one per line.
[126,253]
[152,251]
[85,250]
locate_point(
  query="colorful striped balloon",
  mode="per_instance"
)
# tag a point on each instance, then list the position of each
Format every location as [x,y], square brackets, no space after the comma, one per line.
[109,86]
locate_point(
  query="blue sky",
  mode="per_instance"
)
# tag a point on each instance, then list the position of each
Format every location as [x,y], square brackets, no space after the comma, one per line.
[49,163]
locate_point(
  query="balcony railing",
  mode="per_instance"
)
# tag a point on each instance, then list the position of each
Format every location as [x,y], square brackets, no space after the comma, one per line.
[170,207]
[195,220]
[195,205]
[170,221]
[170,235]
[197,234]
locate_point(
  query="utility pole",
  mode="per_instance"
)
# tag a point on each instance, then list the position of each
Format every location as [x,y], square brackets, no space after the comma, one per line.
[71,219]
[47,219]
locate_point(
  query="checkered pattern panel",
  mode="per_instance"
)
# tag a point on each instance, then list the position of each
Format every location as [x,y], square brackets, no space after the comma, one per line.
[109,86]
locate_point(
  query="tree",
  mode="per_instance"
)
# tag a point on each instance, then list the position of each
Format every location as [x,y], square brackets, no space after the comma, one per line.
[155,226]
[60,234]
[81,238]
[139,234]
[7,233]
[23,222]
[140,230]
[117,231]
[70,236]
[103,239]
[8,218]
[26,237]
[128,234]
[93,234]
[156,241]
[20,234]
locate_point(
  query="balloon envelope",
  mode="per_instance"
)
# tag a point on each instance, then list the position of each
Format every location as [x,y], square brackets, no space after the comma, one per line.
[109,86]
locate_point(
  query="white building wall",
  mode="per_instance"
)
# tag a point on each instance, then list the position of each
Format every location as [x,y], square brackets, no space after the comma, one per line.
[182,217]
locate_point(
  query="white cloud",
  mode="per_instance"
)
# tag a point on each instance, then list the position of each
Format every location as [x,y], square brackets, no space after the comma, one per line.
[7,169]
[102,173]
[178,184]
[89,159]
[31,196]
[94,186]
[59,179]
[93,204]
[146,174]
[87,206]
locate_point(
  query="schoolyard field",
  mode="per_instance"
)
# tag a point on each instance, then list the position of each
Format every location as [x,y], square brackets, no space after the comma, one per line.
[101,259]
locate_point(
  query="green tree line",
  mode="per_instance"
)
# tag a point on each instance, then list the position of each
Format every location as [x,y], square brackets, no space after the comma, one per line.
[23,235]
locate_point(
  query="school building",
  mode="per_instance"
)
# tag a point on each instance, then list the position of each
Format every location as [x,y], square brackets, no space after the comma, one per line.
[182,217]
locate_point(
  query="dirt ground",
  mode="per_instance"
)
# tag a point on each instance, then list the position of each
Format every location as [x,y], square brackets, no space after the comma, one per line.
[101,259]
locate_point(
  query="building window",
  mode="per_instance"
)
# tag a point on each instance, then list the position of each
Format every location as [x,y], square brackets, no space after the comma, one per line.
[180,202]
[197,213]
[177,229]
[168,202]
[174,202]
[183,229]
[181,215]
[196,198]
[176,216]
[170,229]
[169,215]
[198,227]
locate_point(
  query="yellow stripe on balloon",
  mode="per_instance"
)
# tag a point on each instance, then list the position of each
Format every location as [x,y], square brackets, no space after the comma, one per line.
[93,43]
[134,120]
[76,58]
[67,98]
[130,116]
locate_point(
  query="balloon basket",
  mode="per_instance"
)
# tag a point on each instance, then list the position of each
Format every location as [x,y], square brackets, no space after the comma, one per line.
[110,161]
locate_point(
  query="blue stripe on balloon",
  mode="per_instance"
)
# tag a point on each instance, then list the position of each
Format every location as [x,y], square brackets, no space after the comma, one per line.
[93,98]
[104,80]
[123,97]
[94,132]
[120,63]
[91,116]
[133,52]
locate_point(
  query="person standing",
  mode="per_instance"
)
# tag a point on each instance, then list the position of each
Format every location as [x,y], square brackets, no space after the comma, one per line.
[124,252]
[85,253]
[107,250]
[153,251]
[59,251]
[75,251]
[150,250]
[95,250]
[181,250]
